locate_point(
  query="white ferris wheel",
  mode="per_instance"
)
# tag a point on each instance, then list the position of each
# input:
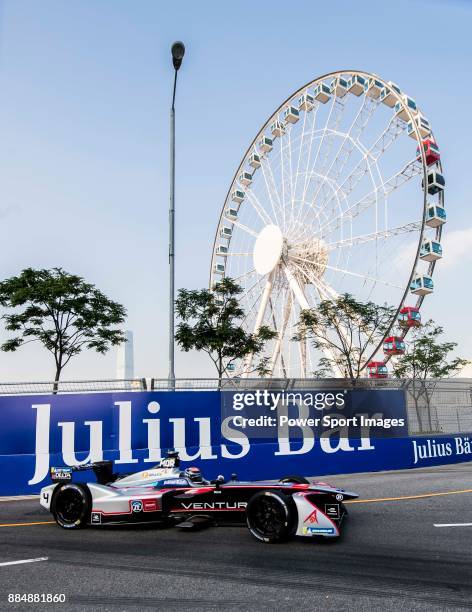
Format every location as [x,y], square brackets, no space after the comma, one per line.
[328,199]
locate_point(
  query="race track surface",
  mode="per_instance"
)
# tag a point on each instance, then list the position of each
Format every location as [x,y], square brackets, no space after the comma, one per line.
[390,557]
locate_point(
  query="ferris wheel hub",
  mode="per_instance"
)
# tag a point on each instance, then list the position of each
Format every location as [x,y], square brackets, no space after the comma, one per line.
[310,258]
[268,249]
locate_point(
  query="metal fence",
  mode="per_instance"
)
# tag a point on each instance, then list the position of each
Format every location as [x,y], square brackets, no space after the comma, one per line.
[185,384]
[443,406]
[73,386]
[434,407]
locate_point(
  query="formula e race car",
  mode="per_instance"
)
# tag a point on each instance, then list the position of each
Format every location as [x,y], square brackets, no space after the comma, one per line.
[272,511]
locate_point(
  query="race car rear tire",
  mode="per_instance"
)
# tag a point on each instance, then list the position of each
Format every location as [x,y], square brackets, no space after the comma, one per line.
[271,516]
[295,479]
[71,506]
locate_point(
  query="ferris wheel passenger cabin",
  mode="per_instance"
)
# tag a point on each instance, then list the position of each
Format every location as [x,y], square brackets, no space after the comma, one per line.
[400,110]
[221,250]
[436,182]
[254,161]
[238,196]
[409,316]
[423,124]
[322,93]
[422,284]
[373,88]
[388,97]
[431,250]
[338,87]
[277,129]
[306,102]
[245,178]
[394,345]
[231,213]
[431,151]
[266,144]
[377,369]
[291,114]
[226,232]
[356,85]
[435,215]
[219,268]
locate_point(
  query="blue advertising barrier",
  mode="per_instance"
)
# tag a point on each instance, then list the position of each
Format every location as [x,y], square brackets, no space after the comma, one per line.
[134,429]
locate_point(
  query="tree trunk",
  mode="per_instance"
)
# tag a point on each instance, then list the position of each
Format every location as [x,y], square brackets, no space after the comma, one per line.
[56,379]
[428,406]
[418,413]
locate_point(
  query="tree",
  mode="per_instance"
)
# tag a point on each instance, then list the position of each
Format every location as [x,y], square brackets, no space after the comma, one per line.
[426,359]
[62,312]
[345,329]
[211,321]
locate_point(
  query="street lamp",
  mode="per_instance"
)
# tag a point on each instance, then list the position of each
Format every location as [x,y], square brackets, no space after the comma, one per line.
[178,51]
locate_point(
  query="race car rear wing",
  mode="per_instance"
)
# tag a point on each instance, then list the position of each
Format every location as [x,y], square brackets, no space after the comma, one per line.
[103,471]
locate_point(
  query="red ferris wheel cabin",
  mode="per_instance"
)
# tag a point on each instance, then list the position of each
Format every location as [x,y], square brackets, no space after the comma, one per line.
[377,369]
[394,345]
[431,150]
[409,316]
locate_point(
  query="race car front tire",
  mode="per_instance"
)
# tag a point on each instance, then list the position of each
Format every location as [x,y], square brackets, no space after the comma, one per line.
[271,516]
[71,506]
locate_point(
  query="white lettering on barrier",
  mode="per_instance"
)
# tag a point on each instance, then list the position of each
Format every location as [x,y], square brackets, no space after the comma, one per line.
[203,441]
[154,434]
[124,439]
[284,432]
[68,442]
[43,417]
[237,437]
[204,451]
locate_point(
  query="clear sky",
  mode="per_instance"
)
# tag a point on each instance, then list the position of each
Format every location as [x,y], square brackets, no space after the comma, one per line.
[84,138]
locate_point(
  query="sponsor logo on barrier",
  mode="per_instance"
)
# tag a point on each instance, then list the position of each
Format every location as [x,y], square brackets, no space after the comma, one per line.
[433,449]
[232,443]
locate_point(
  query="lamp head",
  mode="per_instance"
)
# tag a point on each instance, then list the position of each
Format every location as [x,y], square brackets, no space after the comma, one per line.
[178,52]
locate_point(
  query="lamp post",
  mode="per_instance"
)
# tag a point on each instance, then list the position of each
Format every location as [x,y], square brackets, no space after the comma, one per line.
[178,51]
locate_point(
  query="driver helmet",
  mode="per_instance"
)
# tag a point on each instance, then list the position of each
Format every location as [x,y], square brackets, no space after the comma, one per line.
[194,474]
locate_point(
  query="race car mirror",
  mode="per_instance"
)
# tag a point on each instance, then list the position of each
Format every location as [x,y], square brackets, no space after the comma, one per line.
[219,480]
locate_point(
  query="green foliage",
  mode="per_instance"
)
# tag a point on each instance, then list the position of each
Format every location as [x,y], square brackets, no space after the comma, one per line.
[61,311]
[210,321]
[425,361]
[345,329]
[426,357]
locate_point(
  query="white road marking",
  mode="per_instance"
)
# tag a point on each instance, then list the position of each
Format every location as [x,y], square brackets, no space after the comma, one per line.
[24,561]
[453,524]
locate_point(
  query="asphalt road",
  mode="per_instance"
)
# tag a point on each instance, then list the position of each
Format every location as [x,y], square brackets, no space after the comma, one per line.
[391,556]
